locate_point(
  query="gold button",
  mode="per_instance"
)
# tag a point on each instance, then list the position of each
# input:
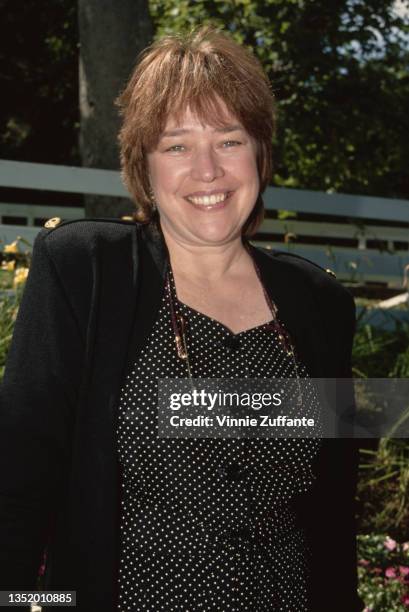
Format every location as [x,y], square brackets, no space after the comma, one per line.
[52,222]
[127,218]
[329,271]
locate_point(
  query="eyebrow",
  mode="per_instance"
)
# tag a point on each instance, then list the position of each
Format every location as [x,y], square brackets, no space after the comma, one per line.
[181,131]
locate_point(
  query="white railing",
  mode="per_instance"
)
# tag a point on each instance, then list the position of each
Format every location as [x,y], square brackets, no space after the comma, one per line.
[359,222]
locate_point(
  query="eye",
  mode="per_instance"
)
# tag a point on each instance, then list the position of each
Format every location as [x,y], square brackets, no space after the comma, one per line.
[176,148]
[231,143]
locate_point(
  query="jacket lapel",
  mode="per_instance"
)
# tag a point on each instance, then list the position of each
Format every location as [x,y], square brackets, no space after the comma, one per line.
[152,258]
[297,310]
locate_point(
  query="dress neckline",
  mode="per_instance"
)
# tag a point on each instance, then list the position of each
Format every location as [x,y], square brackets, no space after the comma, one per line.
[189,310]
[262,326]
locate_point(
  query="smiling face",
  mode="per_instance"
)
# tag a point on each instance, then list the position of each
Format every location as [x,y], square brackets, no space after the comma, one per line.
[204,178]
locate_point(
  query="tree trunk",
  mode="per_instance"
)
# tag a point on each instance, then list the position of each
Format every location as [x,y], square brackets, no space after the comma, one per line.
[111,35]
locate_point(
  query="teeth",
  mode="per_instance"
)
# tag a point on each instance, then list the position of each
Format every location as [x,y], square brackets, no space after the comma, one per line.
[208,200]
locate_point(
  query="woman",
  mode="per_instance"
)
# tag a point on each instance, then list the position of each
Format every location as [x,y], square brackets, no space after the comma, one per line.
[133,521]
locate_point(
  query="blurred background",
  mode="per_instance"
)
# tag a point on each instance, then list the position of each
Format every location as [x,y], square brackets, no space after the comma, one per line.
[339,195]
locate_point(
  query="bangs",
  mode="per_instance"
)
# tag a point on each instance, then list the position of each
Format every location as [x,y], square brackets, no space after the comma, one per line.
[202,82]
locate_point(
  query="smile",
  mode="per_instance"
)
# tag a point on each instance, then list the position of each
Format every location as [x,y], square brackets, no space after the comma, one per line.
[210,200]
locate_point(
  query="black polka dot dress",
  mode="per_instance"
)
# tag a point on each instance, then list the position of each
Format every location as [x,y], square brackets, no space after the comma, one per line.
[207,524]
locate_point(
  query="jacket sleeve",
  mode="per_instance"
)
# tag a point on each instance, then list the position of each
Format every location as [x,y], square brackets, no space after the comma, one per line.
[330,510]
[38,396]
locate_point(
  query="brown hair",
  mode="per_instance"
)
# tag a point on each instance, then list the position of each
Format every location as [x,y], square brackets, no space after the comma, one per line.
[193,70]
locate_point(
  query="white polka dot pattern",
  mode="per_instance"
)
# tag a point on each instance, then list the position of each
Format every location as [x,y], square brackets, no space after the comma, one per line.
[207,524]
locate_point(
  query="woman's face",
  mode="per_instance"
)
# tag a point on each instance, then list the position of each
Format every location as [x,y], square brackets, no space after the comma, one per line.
[204,179]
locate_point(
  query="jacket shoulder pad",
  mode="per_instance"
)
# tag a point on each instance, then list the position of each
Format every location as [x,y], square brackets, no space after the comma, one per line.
[300,259]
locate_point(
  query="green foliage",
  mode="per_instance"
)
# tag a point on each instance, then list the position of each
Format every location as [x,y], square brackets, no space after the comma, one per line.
[283,215]
[383,484]
[338,71]
[8,313]
[39,114]
[383,489]
[6,279]
[13,273]
[339,74]
[380,353]
[383,572]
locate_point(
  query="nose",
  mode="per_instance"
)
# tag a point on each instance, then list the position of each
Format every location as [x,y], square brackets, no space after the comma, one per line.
[206,165]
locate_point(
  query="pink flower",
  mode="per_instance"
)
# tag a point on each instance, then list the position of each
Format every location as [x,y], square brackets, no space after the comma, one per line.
[363,562]
[389,543]
[405,600]
[404,570]
[390,572]
[405,546]
[377,570]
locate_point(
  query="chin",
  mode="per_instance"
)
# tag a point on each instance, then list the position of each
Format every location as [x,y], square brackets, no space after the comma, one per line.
[216,235]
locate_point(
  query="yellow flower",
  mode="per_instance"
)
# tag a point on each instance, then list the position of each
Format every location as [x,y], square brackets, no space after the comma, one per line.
[8,265]
[20,276]
[11,248]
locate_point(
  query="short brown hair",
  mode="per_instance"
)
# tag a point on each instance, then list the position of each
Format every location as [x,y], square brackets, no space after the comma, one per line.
[193,70]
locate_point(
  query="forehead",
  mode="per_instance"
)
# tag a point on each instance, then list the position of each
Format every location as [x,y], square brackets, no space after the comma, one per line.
[189,118]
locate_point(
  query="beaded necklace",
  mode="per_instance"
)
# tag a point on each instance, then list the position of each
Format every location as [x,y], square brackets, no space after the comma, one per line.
[179,325]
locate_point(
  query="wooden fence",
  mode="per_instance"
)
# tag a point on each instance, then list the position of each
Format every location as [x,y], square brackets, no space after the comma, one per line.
[360,238]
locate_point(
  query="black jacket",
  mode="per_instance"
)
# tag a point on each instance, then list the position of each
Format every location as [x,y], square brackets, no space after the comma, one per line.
[91,297]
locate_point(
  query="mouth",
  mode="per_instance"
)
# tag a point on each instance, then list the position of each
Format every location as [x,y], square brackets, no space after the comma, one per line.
[209,202]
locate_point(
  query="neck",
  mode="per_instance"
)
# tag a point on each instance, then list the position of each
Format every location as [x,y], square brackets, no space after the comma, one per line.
[210,263]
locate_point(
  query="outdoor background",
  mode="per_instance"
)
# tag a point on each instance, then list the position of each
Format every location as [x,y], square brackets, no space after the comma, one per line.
[339,72]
